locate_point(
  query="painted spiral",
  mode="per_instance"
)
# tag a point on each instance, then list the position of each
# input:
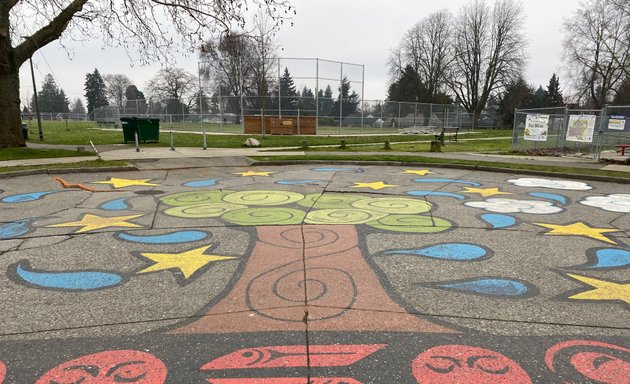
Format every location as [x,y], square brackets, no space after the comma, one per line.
[393,205]
[194,198]
[331,290]
[263,198]
[329,200]
[264,216]
[411,224]
[203,210]
[342,216]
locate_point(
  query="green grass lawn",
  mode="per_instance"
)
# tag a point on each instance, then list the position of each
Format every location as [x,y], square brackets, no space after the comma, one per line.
[80,164]
[80,133]
[32,153]
[499,145]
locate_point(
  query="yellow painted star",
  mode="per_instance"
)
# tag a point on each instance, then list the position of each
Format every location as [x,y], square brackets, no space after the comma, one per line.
[604,290]
[419,172]
[579,229]
[122,183]
[486,192]
[252,173]
[92,222]
[375,185]
[187,262]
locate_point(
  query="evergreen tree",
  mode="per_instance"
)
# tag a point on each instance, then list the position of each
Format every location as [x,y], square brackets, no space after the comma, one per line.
[307,102]
[539,98]
[553,95]
[95,92]
[288,94]
[51,98]
[518,94]
[349,101]
[325,101]
[77,106]
[408,88]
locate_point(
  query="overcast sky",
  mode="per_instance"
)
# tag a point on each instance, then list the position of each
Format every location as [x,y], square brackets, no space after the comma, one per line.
[354,31]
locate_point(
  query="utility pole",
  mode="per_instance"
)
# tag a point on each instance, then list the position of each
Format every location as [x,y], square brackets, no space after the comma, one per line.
[39,118]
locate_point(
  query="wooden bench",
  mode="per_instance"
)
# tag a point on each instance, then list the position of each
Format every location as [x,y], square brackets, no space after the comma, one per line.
[622,147]
[281,127]
[450,131]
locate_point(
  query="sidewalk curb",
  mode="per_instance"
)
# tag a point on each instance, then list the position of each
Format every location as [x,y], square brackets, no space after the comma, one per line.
[484,168]
[61,171]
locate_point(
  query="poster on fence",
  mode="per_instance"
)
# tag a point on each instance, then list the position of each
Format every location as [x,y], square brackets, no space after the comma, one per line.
[617,123]
[536,127]
[581,128]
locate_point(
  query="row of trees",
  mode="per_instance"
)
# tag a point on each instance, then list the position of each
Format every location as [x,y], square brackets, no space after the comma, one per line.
[477,58]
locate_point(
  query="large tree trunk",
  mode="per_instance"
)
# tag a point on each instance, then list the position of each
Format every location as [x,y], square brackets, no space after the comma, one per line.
[10,113]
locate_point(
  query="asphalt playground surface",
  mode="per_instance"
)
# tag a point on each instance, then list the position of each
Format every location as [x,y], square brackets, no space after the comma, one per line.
[313,273]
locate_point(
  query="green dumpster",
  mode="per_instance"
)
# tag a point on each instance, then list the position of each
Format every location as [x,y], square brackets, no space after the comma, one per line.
[148,129]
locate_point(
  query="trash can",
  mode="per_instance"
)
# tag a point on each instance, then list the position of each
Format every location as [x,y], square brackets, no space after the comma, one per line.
[25,131]
[148,129]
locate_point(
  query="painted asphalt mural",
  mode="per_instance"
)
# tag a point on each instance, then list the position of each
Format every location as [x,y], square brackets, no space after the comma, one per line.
[314,274]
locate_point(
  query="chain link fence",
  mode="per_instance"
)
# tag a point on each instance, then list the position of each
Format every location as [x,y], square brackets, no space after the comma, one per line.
[332,115]
[564,131]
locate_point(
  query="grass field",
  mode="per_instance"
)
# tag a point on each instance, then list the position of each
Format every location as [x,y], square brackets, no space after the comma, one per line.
[32,153]
[80,133]
[78,164]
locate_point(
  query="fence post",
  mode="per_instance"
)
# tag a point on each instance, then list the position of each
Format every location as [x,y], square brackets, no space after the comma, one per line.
[298,121]
[262,121]
[514,130]
[204,139]
[563,134]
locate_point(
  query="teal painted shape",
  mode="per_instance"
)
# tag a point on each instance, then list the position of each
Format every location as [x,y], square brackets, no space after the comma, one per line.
[550,196]
[499,221]
[611,258]
[489,287]
[169,238]
[116,205]
[447,181]
[201,183]
[15,229]
[435,193]
[71,281]
[454,251]
[27,197]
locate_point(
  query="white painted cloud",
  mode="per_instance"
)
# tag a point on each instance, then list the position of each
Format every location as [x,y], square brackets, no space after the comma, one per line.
[552,184]
[612,203]
[516,206]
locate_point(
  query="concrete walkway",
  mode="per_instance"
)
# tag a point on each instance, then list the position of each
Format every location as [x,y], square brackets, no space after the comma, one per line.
[122,152]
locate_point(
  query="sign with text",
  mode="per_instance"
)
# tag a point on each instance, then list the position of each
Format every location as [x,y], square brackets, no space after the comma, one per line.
[617,123]
[581,128]
[536,127]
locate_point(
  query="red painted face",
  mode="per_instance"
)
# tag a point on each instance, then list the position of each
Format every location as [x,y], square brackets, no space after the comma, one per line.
[601,362]
[108,368]
[450,364]
[3,372]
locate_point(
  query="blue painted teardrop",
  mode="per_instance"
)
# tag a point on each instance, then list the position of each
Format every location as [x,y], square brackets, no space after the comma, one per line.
[71,281]
[201,183]
[26,197]
[436,193]
[489,287]
[550,196]
[499,221]
[15,229]
[454,251]
[116,205]
[611,258]
[169,238]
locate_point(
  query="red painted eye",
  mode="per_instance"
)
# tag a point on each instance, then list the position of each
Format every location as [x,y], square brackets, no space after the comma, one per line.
[489,364]
[601,367]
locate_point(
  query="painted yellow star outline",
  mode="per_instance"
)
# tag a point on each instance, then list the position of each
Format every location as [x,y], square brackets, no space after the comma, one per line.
[92,222]
[186,263]
[252,173]
[123,183]
[603,290]
[419,172]
[486,192]
[375,185]
[579,229]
